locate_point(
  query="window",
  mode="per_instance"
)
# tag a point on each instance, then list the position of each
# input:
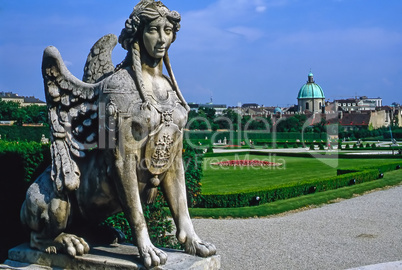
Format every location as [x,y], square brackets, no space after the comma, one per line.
[307,106]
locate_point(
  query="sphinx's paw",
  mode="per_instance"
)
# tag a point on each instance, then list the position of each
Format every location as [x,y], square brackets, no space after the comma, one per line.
[64,243]
[72,244]
[153,256]
[200,248]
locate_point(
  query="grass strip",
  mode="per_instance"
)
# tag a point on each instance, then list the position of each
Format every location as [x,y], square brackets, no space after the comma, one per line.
[390,179]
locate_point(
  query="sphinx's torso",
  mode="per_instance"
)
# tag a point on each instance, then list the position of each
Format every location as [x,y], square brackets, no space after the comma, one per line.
[121,98]
[153,132]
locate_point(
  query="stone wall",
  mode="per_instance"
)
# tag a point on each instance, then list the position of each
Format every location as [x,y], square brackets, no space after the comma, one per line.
[379,119]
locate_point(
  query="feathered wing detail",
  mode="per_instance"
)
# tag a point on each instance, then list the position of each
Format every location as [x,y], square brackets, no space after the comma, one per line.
[99,63]
[73,115]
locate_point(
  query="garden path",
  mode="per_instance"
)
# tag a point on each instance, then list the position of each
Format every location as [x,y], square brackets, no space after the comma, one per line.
[361,231]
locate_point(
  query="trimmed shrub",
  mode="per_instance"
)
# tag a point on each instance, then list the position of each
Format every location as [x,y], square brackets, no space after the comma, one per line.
[321,146]
[21,133]
[20,164]
[192,161]
[271,194]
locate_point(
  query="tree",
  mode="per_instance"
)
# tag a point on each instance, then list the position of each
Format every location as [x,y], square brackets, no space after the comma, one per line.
[292,124]
[228,120]
[10,110]
[35,114]
[320,127]
[209,113]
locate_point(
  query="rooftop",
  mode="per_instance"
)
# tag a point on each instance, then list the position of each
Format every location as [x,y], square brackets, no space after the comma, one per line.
[310,89]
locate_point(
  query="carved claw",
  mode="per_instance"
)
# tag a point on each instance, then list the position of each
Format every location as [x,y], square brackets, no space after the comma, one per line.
[72,244]
[51,250]
[153,256]
[200,248]
[66,243]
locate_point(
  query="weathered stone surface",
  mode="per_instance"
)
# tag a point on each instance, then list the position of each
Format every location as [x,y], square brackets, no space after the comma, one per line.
[141,114]
[119,257]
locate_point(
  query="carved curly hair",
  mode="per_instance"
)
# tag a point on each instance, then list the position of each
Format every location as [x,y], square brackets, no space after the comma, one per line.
[143,13]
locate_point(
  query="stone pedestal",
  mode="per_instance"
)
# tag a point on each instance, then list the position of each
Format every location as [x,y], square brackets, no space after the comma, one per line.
[112,257]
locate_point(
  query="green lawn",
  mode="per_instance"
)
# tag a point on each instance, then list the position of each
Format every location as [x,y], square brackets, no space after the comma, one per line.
[390,179]
[218,180]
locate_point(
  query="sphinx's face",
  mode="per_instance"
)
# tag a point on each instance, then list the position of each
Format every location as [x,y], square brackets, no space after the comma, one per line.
[157,37]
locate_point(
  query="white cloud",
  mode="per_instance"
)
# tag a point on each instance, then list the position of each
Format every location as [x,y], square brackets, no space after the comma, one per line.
[223,24]
[68,63]
[250,34]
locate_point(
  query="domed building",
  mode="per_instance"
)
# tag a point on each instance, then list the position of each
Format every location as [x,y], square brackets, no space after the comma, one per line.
[311,96]
[277,110]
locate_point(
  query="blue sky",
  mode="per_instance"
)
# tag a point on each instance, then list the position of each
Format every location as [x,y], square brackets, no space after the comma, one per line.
[235,51]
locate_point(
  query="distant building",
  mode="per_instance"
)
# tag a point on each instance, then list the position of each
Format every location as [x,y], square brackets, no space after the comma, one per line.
[254,111]
[24,101]
[311,96]
[250,105]
[358,104]
[219,108]
[352,121]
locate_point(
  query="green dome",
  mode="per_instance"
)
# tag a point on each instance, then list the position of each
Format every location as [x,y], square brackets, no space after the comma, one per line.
[311,89]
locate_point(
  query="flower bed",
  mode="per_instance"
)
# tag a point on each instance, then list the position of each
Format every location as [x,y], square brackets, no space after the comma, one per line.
[246,163]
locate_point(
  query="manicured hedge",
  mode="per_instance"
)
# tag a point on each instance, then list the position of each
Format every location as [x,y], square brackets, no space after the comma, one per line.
[305,154]
[381,168]
[345,176]
[270,194]
[20,164]
[21,133]
[390,148]
[326,155]
[396,134]
[257,136]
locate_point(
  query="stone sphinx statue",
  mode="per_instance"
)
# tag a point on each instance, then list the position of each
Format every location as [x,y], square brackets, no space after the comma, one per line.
[115,137]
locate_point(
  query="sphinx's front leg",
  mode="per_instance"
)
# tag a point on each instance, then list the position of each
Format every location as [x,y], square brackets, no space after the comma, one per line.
[174,189]
[129,194]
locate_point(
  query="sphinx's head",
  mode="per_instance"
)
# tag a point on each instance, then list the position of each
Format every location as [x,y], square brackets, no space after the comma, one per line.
[148,22]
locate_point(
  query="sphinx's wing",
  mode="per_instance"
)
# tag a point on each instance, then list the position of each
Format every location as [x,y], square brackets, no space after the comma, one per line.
[73,115]
[99,61]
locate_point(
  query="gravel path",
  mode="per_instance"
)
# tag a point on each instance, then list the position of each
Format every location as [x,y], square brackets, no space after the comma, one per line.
[356,232]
